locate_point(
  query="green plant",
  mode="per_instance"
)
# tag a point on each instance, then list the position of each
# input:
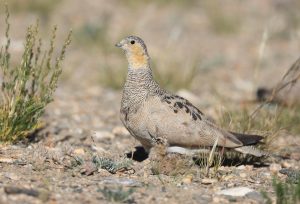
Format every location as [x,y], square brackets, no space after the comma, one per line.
[111,165]
[27,88]
[286,193]
[116,195]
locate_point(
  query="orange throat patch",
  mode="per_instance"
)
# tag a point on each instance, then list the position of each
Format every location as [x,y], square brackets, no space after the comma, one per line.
[137,58]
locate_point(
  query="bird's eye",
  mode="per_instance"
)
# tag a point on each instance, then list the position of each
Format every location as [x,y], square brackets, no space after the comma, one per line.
[132,42]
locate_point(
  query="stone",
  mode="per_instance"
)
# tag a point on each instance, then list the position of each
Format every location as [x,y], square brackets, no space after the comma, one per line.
[274,168]
[208,181]
[236,191]
[79,151]
[242,167]
[120,131]
[6,160]
[228,177]
[11,176]
[243,175]
[286,164]
[103,135]
[187,179]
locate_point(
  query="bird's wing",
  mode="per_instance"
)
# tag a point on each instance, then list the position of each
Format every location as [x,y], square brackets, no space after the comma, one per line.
[182,124]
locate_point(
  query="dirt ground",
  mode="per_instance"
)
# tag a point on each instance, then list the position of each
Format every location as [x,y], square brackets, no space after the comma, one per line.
[235,48]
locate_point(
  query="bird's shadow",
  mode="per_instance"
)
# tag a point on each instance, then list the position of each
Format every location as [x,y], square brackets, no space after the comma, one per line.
[139,154]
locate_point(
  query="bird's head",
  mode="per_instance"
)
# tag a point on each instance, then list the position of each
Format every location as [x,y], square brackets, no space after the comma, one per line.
[136,52]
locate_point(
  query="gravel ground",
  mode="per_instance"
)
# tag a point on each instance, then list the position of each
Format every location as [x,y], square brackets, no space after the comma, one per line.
[83,154]
[56,165]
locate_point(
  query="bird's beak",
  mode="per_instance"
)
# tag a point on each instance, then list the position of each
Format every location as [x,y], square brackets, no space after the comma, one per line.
[118,45]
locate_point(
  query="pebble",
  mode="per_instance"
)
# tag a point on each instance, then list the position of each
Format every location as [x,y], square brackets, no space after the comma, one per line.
[249,167]
[187,179]
[230,185]
[236,191]
[242,167]
[120,131]
[228,177]
[11,176]
[274,168]
[6,160]
[208,181]
[243,175]
[79,151]
[104,173]
[295,156]
[286,164]
[103,135]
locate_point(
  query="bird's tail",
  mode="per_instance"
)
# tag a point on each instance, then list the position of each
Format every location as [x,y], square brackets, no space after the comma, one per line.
[252,151]
[247,139]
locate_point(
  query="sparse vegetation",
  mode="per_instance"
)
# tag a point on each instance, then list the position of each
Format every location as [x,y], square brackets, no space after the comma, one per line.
[116,195]
[43,8]
[27,88]
[268,121]
[210,163]
[286,193]
[111,165]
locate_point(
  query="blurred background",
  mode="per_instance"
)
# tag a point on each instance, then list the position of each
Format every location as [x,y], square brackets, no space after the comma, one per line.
[215,49]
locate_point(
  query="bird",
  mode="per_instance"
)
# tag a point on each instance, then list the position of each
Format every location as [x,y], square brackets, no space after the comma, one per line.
[154,115]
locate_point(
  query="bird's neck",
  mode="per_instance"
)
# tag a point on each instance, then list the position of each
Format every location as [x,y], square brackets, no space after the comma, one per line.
[139,84]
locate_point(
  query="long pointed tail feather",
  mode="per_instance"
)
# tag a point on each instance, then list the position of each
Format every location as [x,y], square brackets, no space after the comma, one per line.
[248,139]
[252,151]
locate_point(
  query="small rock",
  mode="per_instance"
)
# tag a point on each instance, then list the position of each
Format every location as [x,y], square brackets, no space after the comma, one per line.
[208,181]
[255,196]
[120,131]
[274,168]
[242,167]
[249,167]
[187,179]
[228,177]
[88,169]
[235,192]
[98,149]
[79,151]
[243,175]
[286,164]
[230,185]
[6,160]
[103,135]
[267,175]
[295,156]
[103,172]
[11,176]
[216,200]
